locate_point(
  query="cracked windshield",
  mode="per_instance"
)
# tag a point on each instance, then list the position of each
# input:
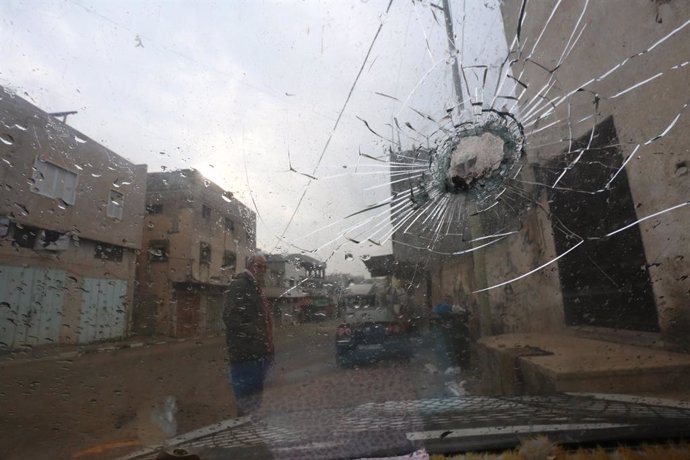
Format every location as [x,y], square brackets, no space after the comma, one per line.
[344,229]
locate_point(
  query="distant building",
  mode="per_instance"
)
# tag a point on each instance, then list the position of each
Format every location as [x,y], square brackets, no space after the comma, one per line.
[196,237]
[283,289]
[295,285]
[71,214]
[398,293]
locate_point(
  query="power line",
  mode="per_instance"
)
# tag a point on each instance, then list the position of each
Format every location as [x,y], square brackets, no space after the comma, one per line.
[335,126]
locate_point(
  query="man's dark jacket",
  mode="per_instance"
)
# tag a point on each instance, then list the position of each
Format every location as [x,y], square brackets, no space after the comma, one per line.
[246,330]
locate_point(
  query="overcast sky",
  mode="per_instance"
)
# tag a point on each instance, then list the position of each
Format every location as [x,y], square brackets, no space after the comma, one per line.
[230,87]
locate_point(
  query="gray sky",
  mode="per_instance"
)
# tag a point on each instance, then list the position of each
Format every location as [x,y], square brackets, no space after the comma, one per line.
[229,87]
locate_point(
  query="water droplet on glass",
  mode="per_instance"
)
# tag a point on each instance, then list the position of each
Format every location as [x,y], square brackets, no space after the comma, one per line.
[150,225]
[365,257]
[6,139]
[349,256]
[20,127]
[207,182]
[79,140]
[22,208]
[96,174]
[227,196]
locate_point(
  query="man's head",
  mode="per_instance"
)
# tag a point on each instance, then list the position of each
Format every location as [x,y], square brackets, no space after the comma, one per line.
[257,266]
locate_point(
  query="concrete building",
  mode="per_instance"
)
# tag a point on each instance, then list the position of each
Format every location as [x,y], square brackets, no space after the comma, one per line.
[284,290]
[71,215]
[573,303]
[295,285]
[400,292]
[650,289]
[196,237]
[631,288]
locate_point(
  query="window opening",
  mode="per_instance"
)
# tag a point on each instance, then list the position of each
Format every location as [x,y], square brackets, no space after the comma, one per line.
[229,224]
[50,240]
[158,250]
[115,204]
[154,209]
[55,182]
[204,253]
[229,259]
[24,236]
[111,252]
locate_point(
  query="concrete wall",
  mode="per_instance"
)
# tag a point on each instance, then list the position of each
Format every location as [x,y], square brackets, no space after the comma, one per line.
[514,307]
[657,175]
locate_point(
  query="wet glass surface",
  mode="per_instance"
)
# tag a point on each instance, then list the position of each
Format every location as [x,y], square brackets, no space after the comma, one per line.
[505,183]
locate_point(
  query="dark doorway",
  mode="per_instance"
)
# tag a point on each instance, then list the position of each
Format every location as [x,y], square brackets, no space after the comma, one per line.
[188,310]
[144,319]
[605,281]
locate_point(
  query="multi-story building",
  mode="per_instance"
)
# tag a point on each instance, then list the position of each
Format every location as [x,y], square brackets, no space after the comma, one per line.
[295,287]
[71,215]
[284,289]
[196,237]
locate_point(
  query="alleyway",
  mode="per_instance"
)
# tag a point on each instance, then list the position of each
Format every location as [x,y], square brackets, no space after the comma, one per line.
[100,405]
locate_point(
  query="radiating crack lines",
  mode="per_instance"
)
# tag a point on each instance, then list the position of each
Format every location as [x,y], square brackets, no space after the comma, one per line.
[445,199]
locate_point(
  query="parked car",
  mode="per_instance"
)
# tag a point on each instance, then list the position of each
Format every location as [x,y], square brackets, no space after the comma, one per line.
[371,333]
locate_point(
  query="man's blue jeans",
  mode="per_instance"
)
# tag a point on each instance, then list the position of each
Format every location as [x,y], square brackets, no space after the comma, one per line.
[247,381]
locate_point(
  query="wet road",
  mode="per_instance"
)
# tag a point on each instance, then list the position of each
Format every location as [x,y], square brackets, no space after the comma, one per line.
[101,405]
[306,375]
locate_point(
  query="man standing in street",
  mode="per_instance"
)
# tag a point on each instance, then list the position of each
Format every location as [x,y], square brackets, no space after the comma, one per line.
[249,334]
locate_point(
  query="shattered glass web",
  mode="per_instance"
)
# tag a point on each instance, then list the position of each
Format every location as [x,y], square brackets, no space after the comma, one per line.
[433,222]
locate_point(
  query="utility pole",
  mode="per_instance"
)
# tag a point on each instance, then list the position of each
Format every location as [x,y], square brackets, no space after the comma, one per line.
[453,51]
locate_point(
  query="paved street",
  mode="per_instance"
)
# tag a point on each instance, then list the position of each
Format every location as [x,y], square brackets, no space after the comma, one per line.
[102,405]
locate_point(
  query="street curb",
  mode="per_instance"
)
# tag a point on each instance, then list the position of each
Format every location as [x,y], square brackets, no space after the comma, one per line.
[30,354]
[23,356]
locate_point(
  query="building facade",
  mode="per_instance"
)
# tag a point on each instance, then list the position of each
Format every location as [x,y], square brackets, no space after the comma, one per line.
[196,237]
[71,215]
[634,283]
[626,113]
[284,290]
[296,287]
